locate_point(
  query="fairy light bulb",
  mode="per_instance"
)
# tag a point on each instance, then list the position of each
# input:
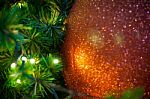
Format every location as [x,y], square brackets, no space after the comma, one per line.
[32,61]
[24,58]
[13,65]
[19,4]
[18,81]
[55,61]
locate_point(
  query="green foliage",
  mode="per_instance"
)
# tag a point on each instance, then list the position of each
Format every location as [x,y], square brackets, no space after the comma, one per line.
[136,93]
[8,28]
[49,23]
[33,41]
[6,58]
[32,76]
[32,28]
[64,6]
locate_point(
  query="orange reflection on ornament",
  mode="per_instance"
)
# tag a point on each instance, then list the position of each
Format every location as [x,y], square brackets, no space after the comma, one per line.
[93,75]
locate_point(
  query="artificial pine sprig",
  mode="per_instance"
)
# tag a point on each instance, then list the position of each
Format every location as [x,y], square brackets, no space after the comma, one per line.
[26,71]
[31,28]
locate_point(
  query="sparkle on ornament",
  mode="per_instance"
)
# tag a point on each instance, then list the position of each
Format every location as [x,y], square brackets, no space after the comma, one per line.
[55,61]
[104,45]
[13,65]
[24,58]
[32,61]
[18,81]
[95,38]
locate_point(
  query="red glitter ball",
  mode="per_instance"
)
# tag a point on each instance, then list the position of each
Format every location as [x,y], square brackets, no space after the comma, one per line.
[107,47]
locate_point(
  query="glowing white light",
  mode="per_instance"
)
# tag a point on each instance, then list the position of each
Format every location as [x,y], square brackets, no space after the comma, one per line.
[24,58]
[18,81]
[55,61]
[15,31]
[19,4]
[13,65]
[32,61]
